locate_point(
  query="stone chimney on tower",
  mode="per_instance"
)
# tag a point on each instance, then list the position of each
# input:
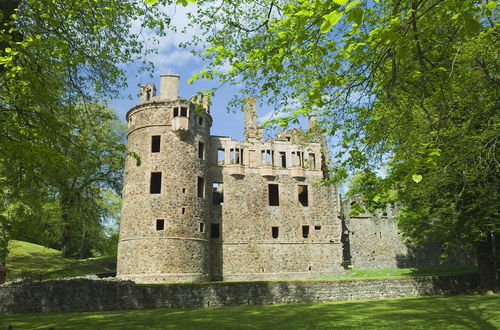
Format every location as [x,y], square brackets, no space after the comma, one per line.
[252,131]
[169,87]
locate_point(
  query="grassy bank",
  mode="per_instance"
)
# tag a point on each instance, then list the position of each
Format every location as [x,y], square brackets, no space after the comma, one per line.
[35,261]
[456,312]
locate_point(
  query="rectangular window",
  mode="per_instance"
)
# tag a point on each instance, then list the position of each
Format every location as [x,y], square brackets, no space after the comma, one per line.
[160,224]
[275,232]
[297,158]
[201,150]
[217,193]
[184,112]
[220,156]
[201,186]
[183,210]
[214,230]
[312,161]
[283,159]
[317,227]
[155,186]
[200,121]
[155,143]
[267,157]
[202,227]
[176,112]
[273,192]
[305,231]
[303,196]
[236,155]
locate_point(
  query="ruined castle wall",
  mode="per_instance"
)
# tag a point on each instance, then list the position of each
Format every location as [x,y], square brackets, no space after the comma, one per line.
[179,251]
[248,249]
[374,241]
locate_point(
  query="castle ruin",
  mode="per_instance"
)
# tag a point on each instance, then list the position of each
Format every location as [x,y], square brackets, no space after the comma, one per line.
[201,207]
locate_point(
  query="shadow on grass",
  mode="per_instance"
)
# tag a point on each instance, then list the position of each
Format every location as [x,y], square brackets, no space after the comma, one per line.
[456,312]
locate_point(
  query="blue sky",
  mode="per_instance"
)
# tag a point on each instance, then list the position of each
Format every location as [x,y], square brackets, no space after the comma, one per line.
[172,59]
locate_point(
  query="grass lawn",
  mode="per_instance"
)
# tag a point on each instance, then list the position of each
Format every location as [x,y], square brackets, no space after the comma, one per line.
[28,258]
[456,312]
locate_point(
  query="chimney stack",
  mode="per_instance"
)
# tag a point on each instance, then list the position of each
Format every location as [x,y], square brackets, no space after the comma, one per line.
[169,87]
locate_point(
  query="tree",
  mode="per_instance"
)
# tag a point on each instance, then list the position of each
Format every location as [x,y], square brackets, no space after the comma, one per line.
[412,84]
[58,59]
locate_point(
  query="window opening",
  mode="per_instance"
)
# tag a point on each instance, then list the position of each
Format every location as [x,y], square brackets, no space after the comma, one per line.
[183,190]
[184,112]
[183,210]
[317,227]
[283,159]
[297,158]
[176,112]
[200,121]
[214,230]
[155,185]
[160,224]
[273,192]
[303,195]
[218,193]
[305,231]
[200,187]
[267,157]
[236,155]
[201,150]
[148,95]
[220,156]
[275,232]
[155,143]
[287,138]
[312,161]
[202,227]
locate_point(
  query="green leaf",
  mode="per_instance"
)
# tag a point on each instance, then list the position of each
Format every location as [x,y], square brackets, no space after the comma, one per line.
[340,2]
[352,4]
[491,5]
[416,177]
[326,26]
[331,19]
[151,2]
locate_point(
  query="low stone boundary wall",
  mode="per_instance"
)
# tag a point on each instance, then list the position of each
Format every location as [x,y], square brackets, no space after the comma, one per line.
[81,294]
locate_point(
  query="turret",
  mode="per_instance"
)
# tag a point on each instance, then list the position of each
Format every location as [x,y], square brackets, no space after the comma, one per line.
[163,232]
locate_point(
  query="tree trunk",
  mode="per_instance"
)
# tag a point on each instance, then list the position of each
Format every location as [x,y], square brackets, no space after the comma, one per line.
[487,264]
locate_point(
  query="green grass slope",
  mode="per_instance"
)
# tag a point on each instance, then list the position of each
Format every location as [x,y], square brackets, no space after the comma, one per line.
[35,261]
[455,312]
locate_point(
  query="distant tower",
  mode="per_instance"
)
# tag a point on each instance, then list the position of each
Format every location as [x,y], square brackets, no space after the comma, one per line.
[165,211]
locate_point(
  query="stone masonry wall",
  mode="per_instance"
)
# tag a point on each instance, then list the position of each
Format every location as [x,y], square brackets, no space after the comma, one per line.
[78,295]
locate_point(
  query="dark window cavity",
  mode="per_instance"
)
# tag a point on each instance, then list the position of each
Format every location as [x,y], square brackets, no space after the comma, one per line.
[155,186]
[218,193]
[200,121]
[283,159]
[183,210]
[303,195]
[214,230]
[317,227]
[202,227]
[200,187]
[305,231]
[184,112]
[160,224]
[155,143]
[201,150]
[273,191]
[176,112]
[275,232]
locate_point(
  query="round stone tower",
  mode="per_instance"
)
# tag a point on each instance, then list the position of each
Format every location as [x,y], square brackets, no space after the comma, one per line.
[165,210]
